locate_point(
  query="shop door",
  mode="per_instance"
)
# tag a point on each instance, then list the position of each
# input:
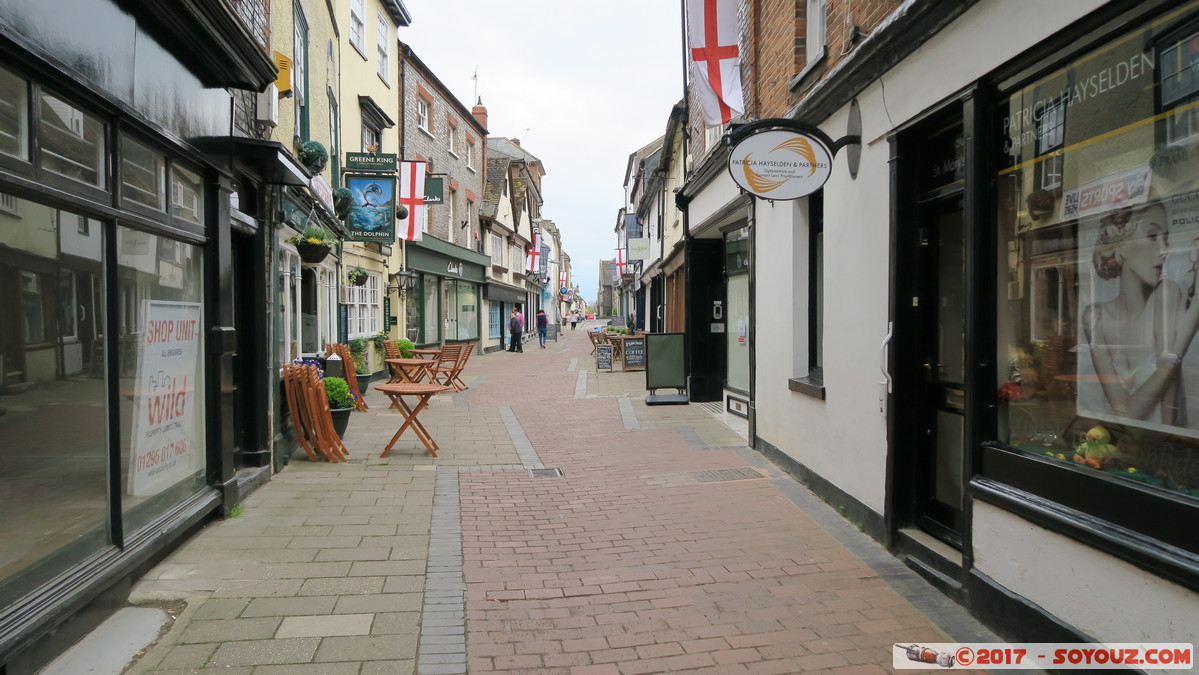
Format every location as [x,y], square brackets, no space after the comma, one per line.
[939,377]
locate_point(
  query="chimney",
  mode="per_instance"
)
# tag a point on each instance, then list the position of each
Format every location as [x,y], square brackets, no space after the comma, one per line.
[515,141]
[479,112]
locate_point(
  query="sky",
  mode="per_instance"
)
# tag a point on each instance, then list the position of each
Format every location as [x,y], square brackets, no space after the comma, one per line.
[582,84]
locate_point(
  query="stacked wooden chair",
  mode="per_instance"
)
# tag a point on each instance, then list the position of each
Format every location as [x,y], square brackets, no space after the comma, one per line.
[347,361]
[448,373]
[309,409]
[445,363]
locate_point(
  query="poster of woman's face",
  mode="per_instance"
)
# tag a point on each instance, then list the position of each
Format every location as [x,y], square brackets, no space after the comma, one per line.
[1137,304]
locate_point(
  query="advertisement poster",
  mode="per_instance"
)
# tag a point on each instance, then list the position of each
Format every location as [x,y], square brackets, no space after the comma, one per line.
[166,447]
[372,209]
[1138,361]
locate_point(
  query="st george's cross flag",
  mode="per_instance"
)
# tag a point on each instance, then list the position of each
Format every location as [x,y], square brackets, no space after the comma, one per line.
[412,197]
[531,260]
[714,60]
[620,262]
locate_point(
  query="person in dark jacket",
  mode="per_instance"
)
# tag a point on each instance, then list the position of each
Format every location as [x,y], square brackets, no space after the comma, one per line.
[543,326]
[515,328]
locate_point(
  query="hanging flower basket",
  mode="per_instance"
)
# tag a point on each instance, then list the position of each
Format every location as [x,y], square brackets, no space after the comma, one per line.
[357,277]
[312,253]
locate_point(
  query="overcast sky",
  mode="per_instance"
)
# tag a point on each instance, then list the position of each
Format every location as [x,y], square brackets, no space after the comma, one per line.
[581,84]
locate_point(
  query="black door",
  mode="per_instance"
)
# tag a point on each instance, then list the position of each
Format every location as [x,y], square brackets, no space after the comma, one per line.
[939,376]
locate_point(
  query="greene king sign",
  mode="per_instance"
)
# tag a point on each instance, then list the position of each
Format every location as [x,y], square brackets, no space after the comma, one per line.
[781,164]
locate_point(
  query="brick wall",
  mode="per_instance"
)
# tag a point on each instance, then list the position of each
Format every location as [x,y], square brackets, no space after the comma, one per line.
[433,146]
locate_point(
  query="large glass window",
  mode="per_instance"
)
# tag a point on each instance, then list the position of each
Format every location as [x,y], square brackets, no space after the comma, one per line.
[52,391]
[187,195]
[462,310]
[14,115]
[161,350]
[1098,260]
[495,313]
[143,175]
[736,251]
[72,142]
[364,308]
[431,311]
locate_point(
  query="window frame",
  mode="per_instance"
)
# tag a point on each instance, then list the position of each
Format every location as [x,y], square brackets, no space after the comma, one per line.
[383,48]
[358,26]
[812,382]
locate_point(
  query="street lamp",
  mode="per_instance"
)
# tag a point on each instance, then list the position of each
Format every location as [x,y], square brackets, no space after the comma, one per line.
[403,281]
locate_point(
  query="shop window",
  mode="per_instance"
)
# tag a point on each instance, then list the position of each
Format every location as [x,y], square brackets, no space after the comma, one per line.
[809,282]
[736,246]
[53,442]
[143,175]
[187,195]
[462,310]
[162,376]
[495,313]
[431,309]
[72,142]
[14,115]
[413,316]
[1097,361]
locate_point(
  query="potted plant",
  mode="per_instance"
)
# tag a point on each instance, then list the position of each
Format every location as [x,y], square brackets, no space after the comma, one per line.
[406,348]
[341,403]
[343,199]
[313,244]
[314,156]
[357,276]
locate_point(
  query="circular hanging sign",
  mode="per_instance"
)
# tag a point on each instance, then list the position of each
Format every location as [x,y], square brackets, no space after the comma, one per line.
[780,164]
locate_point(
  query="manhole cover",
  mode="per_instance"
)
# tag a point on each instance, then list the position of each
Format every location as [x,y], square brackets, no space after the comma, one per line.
[716,475]
[545,473]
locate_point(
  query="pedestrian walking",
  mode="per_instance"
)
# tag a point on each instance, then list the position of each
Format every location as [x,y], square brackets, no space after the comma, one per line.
[516,326]
[574,319]
[543,326]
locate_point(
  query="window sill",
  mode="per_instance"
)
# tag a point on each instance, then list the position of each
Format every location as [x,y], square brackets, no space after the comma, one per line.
[426,132]
[453,154]
[807,69]
[384,80]
[499,268]
[812,385]
[361,50]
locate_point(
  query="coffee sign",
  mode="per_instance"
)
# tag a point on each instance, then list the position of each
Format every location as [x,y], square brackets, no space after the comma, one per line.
[781,164]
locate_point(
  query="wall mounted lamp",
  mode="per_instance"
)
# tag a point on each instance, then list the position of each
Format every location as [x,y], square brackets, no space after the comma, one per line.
[403,281]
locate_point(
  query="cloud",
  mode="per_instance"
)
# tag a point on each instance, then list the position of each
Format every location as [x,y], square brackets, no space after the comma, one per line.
[583,85]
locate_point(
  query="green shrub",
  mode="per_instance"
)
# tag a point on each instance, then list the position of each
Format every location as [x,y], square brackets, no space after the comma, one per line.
[338,393]
[358,347]
[406,348]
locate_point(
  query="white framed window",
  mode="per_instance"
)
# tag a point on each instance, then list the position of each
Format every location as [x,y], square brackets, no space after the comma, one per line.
[452,214]
[497,249]
[518,258]
[816,30]
[358,25]
[422,114]
[470,154]
[363,309]
[383,47]
[452,141]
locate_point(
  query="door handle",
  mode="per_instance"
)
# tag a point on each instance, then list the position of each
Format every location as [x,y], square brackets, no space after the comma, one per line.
[883,363]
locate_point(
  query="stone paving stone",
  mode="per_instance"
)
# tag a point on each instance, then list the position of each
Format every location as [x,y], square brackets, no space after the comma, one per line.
[290,606]
[342,586]
[264,652]
[222,630]
[322,626]
[365,648]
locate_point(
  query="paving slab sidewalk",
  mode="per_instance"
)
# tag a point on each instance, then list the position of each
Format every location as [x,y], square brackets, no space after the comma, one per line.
[565,527]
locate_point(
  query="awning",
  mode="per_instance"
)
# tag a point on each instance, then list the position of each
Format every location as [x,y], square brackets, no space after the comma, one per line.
[267,158]
[503,293]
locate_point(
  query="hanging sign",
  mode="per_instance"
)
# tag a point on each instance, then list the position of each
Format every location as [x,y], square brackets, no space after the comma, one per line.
[372,210]
[780,164]
[434,190]
[365,161]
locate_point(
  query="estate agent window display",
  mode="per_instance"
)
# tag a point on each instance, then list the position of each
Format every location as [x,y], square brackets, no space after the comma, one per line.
[60,294]
[1098,262]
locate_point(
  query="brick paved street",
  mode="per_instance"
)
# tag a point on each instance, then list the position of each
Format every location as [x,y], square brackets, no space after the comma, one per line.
[664,545]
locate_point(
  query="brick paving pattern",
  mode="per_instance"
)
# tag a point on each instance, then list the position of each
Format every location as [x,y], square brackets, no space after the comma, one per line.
[661,543]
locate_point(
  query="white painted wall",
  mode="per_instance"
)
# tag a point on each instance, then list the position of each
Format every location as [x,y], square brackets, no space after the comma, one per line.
[1104,597]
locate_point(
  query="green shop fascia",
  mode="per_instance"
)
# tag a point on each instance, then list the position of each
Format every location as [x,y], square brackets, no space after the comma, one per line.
[451,282]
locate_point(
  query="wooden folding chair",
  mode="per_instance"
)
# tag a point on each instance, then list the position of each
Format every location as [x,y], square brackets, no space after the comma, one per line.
[392,347]
[445,364]
[351,378]
[309,408]
[597,339]
[453,378]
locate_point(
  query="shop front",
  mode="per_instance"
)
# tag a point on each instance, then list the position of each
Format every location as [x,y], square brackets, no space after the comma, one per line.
[117,331]
[445,306]
[500,299]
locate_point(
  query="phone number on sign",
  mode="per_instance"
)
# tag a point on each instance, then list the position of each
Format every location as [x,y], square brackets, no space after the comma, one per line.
[1060,656]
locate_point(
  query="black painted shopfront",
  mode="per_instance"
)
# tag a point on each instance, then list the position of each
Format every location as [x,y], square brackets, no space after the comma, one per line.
[1043,286]
[120,430]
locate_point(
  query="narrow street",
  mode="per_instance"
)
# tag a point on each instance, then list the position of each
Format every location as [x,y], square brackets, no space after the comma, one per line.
[664,545]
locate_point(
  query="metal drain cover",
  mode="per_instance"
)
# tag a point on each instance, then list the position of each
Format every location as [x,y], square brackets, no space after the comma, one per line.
[716,475]
[545,473]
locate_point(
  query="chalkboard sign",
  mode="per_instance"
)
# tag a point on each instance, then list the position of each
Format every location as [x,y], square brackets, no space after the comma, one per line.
[603,357]
[551,332]
[634,353]
[665,368]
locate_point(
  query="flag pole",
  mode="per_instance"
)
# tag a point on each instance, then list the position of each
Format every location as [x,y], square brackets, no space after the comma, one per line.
[686,91]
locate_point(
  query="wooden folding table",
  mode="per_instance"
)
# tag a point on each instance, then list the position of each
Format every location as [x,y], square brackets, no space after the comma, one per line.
[422,391]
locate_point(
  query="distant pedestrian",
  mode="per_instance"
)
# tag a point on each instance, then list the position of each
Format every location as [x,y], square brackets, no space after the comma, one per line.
[543,326]
[574,319]
[515,328]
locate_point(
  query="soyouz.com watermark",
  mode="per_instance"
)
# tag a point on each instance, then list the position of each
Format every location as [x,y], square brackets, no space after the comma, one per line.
[1043,655]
